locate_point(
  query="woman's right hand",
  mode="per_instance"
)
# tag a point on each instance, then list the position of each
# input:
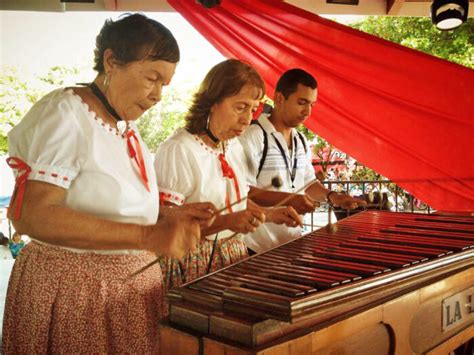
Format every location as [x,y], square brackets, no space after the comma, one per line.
[246,221]
[174,235]
[283,215]
[303,203]
[204,212]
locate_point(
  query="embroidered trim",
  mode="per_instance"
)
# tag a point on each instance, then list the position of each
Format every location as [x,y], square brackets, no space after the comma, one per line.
[134,149]
[168,197]
[209,149]
[107,127]
[54,175]
[23,174]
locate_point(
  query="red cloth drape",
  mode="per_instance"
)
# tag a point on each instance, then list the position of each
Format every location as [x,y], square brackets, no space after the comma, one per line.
[403,113]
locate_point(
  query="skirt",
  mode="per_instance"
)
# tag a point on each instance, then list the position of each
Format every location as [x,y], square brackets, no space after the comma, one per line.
[194,265]
[65,303]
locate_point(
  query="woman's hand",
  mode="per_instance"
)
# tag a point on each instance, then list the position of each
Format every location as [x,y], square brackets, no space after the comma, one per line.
[245,221]
[303,203]
[283,215]
[204,212]
[174,235]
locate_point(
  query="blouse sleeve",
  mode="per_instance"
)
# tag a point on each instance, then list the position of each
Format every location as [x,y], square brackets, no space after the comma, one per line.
[49,140]
[173,172]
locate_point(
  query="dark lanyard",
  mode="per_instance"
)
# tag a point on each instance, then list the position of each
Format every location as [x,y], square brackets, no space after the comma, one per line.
[295,161]
[104,101]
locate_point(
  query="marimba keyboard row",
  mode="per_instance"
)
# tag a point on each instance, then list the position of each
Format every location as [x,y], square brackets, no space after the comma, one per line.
[323,278]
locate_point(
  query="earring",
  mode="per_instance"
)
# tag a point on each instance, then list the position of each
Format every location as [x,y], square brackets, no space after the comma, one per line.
[106,82]
[207,122]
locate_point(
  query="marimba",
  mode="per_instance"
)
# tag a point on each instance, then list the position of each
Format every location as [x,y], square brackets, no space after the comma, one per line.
[374,283]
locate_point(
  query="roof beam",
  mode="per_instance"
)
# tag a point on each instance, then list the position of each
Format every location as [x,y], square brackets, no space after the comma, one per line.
[111,5]
[394,6]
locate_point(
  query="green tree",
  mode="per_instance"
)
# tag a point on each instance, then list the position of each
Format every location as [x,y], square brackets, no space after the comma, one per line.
[419,33]
[60,77]
[161,121]
[16,98]
[17,94]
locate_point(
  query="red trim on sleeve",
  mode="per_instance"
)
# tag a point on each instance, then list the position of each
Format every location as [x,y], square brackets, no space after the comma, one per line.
[167,197]
[23,171]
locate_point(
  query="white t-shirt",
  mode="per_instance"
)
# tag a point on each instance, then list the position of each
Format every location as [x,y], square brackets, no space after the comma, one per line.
[270,235]
[188,171]
[67,145]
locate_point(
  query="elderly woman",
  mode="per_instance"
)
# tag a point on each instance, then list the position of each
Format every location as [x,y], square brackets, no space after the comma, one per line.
[204,162]
[87,197]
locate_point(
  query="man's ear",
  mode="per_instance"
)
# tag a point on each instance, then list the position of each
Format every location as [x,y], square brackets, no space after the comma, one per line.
[278,99]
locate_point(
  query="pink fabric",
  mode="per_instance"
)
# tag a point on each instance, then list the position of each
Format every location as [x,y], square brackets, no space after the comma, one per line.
[405,114]
[59,302]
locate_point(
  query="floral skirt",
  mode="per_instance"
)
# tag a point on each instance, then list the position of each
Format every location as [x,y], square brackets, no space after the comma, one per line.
[68,303]
[194,265]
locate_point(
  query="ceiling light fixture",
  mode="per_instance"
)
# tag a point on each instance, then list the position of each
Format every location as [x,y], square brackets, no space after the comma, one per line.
[449,14]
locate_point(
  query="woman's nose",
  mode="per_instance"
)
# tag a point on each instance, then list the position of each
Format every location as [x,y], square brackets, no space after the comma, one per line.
[247,117]
[155,95]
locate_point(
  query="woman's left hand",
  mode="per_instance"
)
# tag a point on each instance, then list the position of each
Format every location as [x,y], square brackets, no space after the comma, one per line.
[283,215]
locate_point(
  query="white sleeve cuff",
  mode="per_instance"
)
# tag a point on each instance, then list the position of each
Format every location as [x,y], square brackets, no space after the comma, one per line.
[170,196]
[57,176]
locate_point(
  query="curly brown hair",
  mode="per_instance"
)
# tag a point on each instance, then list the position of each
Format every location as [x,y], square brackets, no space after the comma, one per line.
[224,80]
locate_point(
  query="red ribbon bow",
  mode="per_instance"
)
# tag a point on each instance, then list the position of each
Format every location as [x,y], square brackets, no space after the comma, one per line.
[137,156]
[23,171]
[228,172]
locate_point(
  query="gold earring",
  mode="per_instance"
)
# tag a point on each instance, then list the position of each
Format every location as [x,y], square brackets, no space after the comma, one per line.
[106,81]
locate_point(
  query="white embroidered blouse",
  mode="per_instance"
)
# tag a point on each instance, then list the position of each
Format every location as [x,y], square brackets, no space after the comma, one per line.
[66,144]
[188,171]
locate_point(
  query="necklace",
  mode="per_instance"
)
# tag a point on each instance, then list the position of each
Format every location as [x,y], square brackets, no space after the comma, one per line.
[212,137]
[95,89]
[210,141]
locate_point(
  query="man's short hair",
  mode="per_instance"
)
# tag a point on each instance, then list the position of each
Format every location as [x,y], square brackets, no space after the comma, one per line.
[288,82]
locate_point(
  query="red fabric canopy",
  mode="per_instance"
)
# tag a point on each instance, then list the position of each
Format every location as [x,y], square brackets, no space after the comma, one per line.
[403,113]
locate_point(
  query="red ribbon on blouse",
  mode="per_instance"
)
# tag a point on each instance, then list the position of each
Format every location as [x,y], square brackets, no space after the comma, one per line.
[23,171]
[228,172]
[137,155]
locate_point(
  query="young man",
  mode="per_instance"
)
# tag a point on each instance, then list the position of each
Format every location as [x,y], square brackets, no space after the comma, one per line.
[273,147]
